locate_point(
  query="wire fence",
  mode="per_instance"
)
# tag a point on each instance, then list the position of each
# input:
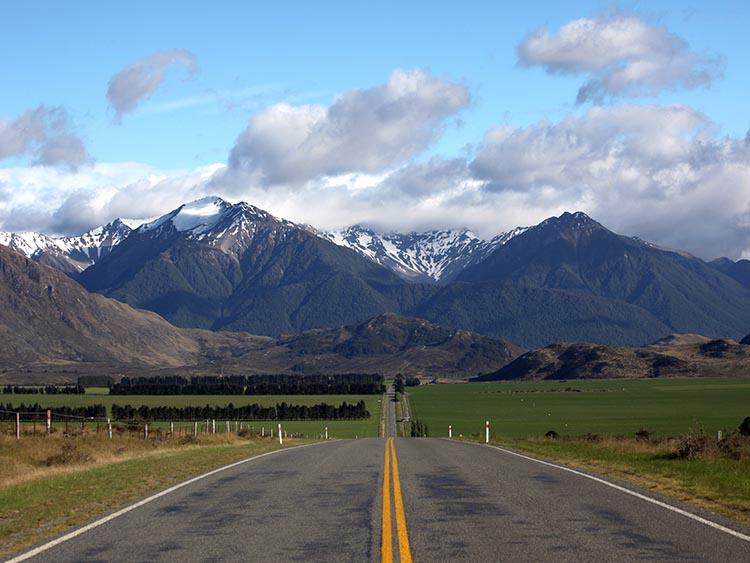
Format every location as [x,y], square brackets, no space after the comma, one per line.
[22,424]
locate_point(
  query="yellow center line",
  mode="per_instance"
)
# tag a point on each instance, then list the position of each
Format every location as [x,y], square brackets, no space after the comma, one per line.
[403,538]
[386,544]
[386,547]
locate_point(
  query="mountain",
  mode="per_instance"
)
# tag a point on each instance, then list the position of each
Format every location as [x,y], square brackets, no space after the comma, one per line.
[713,358]
[739,270]
[387,344]
[71,254]
[428,257]
[47,317]
[746,340]
[631,292]
[210,264]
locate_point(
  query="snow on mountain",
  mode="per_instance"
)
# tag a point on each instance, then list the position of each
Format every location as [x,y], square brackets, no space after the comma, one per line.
[218,223]
[71,254]
[432,256]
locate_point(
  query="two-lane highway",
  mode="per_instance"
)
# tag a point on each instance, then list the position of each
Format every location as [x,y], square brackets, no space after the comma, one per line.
[458,502]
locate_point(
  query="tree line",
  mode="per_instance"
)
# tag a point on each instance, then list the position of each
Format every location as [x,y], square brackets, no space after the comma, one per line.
[8,410]
[46,390]
[282,411]
[278,384]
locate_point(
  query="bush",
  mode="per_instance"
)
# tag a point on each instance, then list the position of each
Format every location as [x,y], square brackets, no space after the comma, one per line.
[695,444]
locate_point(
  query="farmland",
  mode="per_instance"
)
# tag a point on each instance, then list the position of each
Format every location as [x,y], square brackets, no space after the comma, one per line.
[529,409]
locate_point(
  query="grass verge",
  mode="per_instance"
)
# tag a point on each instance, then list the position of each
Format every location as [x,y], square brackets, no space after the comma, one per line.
[716,484]
[79,486]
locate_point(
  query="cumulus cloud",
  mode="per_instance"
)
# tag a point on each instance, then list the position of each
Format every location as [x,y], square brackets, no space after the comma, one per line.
[659,172]
[142,78]
[46,134]
[622,56]
[366,130]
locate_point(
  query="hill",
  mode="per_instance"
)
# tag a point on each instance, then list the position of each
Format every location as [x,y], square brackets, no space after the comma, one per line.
[713,358]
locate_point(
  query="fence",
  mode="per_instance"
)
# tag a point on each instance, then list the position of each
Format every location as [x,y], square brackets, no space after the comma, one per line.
[20,424]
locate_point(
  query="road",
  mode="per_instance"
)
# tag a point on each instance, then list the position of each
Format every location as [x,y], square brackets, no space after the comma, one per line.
[449,500]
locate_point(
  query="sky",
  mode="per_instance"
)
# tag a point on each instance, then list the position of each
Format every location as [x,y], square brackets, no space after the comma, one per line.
[394,115]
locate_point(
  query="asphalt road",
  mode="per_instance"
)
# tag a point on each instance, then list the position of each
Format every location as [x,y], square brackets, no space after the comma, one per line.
[460,502]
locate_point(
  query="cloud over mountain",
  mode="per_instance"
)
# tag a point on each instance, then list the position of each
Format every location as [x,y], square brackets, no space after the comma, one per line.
[621,55]
[143,77]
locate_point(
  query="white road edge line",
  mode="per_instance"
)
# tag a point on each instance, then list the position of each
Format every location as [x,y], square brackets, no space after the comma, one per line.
[680,511]
[69,536]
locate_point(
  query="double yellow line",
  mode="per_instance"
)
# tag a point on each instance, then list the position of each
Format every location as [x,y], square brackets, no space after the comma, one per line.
[386,545]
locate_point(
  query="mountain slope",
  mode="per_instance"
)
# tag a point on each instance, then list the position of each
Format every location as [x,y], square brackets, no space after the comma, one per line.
[576,254]
[210,264]
[429,257]
[47,317]
[739,270]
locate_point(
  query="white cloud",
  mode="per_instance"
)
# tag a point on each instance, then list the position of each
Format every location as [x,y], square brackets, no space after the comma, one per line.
[143,77]
[658,172]
[367,130]
[622,56]
[46,134]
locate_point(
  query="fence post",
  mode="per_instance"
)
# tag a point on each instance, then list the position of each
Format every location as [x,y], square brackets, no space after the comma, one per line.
[145,431]
[213,426]
[18,426]
[227,427]
[719,436]
[171,429]
[195,429]
[281,438]
[49,421]
[109,428]
[487,432]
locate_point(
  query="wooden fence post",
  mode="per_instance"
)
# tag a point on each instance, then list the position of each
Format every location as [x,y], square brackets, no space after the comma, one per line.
[18,426]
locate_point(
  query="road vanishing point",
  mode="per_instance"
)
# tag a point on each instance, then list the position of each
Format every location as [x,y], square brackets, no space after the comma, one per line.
[400,499]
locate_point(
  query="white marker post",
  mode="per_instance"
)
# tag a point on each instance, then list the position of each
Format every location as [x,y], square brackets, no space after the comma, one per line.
[18,426]
[109,428]
[213,426]
[49,421]
[487,432]
[145,431]
[171,429]
[281,437]
[195,429]
[326,433]
[450,431]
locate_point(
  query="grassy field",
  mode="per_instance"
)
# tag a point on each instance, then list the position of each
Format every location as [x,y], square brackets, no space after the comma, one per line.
[336,429]
[668,407]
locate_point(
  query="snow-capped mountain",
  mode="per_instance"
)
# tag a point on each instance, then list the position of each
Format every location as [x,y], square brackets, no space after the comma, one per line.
[432,256]
[218,223]
[71,254]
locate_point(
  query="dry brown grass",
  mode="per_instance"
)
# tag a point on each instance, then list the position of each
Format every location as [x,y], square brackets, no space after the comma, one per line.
[36,457]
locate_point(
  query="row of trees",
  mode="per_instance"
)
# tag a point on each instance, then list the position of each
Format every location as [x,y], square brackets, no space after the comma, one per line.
[47,390]
[7,411]
[280,384]
[282,411]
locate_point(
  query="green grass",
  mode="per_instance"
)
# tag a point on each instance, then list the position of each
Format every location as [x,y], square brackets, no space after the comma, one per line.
[336,429]
[669,407]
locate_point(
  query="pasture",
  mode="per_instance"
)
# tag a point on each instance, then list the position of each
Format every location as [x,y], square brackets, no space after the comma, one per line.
[669,407]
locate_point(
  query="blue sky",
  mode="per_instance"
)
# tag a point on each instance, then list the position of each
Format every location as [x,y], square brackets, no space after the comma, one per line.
[249,57]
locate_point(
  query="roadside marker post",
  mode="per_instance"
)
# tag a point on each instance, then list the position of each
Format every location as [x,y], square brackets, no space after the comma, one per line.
[719,436]
[171,429]
[195,429]
[18,426]
[213,426]
[49,421]
[109,428]
[450,431]
[281,437]
[487,432]
[145,431]
[326,433]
